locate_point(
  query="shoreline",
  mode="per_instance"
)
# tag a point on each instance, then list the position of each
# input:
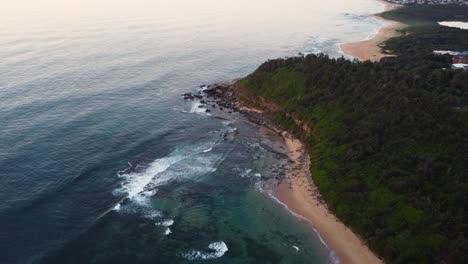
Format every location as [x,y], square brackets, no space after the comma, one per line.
[369,49]
[296,190]
[299,193]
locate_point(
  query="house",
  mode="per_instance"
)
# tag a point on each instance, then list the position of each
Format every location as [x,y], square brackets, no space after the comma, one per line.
[460,59]
[460,66]
[428,2]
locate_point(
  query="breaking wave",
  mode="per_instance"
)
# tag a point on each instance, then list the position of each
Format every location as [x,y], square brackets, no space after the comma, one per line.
[197,108]
[134,183]
[139,185]
[166,223]
[190,162]
[216,250]
[207,150]
[320,44]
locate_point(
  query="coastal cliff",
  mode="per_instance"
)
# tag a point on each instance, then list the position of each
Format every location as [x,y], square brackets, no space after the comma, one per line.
[387,140]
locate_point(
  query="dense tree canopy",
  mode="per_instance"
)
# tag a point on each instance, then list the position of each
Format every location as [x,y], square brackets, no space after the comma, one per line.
[389,139]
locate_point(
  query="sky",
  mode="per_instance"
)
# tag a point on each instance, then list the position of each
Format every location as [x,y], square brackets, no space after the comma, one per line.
[37,13]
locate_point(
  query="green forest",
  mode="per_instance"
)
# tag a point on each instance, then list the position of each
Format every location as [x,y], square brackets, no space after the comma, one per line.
[388,142]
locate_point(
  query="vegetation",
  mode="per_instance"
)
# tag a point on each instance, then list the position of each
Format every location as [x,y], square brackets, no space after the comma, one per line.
[389,139]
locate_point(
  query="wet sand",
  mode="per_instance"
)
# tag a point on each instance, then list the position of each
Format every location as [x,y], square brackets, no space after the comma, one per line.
[296,188]
[300,194]
[370,49]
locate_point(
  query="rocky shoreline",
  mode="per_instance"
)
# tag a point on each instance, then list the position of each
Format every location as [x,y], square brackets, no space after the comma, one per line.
[224,97]
[221,101]
[289,181]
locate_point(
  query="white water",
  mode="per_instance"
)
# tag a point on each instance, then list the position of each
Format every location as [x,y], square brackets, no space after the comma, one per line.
[134,183]
[80,81]
[333,258]
[219,249]
[166,223]
[195,108]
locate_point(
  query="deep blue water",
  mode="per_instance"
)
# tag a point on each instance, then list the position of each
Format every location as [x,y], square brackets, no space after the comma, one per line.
[80,97]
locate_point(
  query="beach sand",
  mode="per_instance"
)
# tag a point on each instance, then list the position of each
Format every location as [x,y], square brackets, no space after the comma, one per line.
[300,194]
[370,49]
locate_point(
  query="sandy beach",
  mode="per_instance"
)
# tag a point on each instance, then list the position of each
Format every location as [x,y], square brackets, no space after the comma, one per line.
[300,194]
[370,49]
[296,189]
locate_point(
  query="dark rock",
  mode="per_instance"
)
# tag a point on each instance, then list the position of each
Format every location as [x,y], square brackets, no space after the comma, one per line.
[187,96]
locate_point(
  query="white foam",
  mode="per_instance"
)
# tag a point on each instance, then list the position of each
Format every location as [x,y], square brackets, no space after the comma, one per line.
[166,223]
[136,187]
[149,193]
[207,150]
[296,248]
[134,183]
[168,231]
[140,186]
[258,175]
[195,108]
[246,173]
[218,249]
[116,207]
[332,255]
[142,209]
[152,214]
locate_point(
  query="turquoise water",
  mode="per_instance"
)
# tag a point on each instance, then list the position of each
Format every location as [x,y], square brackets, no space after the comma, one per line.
[87,88]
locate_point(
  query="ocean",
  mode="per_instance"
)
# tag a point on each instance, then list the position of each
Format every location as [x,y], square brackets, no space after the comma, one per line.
[102,161]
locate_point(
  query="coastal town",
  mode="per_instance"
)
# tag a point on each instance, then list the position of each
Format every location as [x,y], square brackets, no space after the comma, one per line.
[428,2]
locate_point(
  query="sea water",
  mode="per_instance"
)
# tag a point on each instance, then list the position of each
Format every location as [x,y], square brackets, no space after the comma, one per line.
[103,162]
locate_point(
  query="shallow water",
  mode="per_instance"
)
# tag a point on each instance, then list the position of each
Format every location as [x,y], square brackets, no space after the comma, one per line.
[87,87]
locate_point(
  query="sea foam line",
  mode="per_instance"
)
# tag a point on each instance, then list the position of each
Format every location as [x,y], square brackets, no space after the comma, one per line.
[332,255]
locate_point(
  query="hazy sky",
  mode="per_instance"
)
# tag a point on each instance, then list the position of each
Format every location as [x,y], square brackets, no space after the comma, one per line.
[67,8]
[35,12]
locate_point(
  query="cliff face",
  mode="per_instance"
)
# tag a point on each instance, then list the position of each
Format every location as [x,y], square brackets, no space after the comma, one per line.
[387,140]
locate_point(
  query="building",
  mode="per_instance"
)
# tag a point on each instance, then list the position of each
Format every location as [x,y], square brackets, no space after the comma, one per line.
[460,59]
[460,66]
[429,2]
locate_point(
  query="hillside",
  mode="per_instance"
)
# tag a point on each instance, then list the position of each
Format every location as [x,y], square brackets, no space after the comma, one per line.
[388,140]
